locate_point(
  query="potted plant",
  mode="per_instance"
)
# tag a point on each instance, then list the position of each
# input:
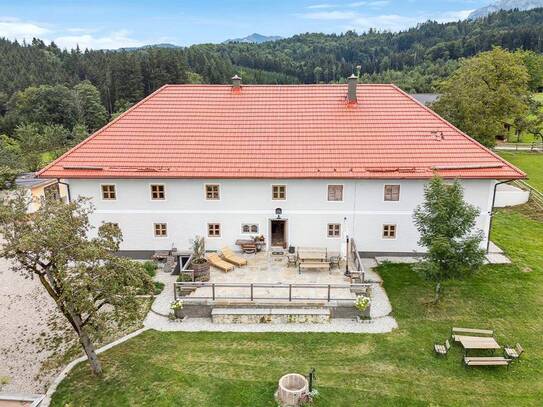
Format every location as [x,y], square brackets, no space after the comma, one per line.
[362,304]
[199,263]
[177,308]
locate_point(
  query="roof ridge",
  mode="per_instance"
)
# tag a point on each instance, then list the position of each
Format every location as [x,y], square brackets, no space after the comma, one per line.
[100,130]
[452,126]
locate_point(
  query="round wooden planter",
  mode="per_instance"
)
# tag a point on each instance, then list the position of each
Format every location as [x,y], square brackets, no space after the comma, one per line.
[201,271]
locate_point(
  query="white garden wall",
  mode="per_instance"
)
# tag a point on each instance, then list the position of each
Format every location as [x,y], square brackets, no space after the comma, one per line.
[508,195]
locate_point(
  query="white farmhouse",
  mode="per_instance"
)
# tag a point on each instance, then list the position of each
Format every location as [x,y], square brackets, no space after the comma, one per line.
[301,165]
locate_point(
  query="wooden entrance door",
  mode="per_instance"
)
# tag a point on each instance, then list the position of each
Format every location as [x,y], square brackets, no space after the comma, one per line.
[278,232]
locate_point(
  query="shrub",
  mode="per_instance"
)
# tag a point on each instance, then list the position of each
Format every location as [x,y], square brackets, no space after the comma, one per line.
[159,286]
[184,278]
[150,268]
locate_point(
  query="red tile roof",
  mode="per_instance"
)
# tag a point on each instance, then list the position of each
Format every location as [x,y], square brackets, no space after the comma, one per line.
[279,131]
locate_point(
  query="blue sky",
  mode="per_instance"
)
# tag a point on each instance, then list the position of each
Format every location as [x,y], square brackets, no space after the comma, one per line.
[112,24]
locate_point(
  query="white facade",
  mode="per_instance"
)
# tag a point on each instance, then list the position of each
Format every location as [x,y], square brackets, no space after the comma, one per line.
[306,209]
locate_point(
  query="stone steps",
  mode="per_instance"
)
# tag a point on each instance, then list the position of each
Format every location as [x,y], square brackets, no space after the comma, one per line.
[270,315]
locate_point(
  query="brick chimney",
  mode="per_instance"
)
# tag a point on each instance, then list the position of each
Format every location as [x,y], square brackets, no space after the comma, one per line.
[351,92]
[236,83]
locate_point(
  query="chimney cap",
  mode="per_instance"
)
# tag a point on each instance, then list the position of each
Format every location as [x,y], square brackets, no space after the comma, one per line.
[236,78]
[353,76]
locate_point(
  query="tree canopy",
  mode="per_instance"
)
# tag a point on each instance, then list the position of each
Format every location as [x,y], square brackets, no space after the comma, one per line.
[446,224]
[92,287]
[485,92]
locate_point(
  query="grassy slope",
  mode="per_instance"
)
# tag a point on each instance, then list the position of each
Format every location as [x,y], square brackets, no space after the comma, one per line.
[531,163]
[230,369]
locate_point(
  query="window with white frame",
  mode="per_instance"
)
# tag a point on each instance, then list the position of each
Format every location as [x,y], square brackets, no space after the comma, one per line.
[249,228]
[212,192]
[109,192]
[161,230]
[334,230]
[392,192]
[389,231]
[213,229]
[279,192]
[335,192]
[158,192]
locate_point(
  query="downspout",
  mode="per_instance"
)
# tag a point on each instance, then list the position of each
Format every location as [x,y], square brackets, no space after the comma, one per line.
[492,212]
[67,188]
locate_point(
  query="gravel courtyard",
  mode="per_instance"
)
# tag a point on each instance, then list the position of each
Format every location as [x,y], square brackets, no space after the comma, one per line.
[24,310]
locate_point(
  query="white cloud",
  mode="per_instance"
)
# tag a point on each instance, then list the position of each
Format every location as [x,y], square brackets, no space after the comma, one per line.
[331,15]
[359,21]
[117,39]
[453,15]
[13,28]
[321,6]
[390,22]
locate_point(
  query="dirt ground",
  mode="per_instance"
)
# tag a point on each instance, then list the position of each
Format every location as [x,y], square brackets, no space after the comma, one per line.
[24,311]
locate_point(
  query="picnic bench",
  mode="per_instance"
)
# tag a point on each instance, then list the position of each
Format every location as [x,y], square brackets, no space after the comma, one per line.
[313,265]
[486,361]
[312,259]
[471,331]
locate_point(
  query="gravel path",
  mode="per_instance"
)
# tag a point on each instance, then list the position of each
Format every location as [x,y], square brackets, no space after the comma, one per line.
[24,310]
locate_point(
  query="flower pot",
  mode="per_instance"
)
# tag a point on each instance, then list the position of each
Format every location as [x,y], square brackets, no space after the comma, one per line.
[179,314]
[201,271]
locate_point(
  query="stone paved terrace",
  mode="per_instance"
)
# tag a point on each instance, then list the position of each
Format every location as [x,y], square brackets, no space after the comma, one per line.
[276,271]
[266,268]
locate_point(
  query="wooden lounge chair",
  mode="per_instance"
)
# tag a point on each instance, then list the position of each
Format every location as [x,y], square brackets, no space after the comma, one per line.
[232,257]
[513,353]
[216,261]
[442,350]
[486,361]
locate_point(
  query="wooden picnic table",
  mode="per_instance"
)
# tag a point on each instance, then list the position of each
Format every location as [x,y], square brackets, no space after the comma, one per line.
[477,342]
[250,242]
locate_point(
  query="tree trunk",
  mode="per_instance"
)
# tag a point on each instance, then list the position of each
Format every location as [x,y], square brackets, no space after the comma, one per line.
[88,346]
[437,293]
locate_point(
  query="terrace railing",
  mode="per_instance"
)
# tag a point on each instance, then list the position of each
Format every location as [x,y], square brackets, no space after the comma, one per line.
[359,267]
[268,291]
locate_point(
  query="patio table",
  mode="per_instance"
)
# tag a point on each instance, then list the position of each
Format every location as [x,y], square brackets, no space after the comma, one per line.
[477,342]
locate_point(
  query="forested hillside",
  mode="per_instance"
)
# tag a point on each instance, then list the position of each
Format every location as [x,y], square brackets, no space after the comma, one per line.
[51,98]
[413,59]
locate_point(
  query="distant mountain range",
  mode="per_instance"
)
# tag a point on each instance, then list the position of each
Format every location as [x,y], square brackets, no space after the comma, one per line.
[250,39]
[505,5]
[255,39]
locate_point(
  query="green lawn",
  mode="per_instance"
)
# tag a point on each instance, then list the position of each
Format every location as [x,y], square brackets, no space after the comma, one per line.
[231,369]
[526,137]
[530,163]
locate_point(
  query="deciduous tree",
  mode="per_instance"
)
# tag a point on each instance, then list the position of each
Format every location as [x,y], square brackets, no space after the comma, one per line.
[91,286]
[484,92]
[446,224]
